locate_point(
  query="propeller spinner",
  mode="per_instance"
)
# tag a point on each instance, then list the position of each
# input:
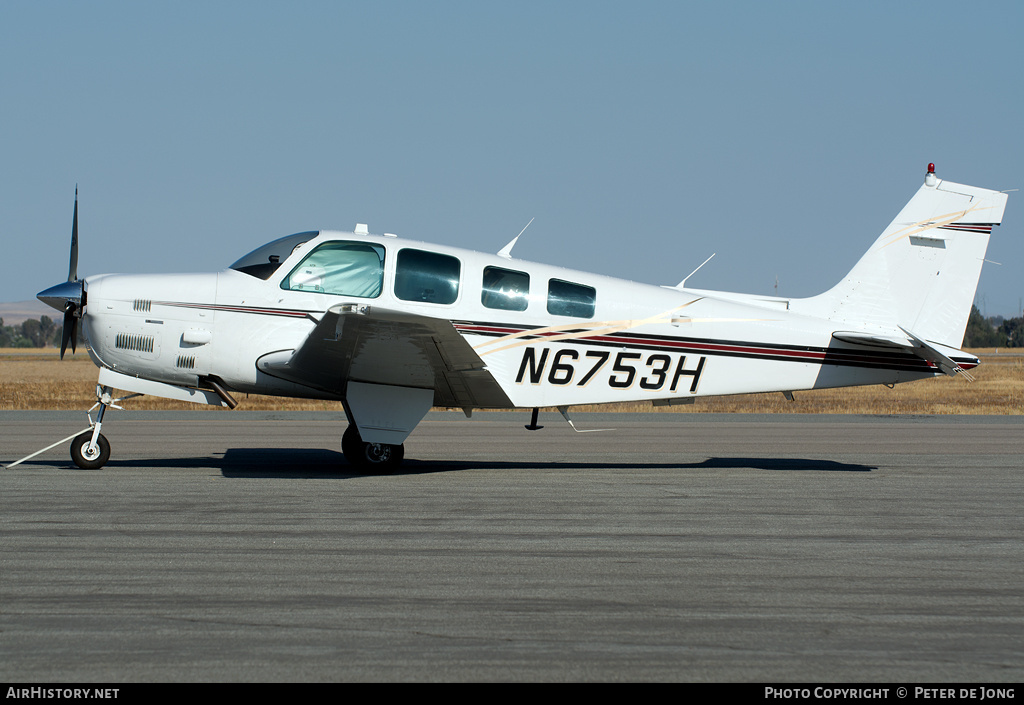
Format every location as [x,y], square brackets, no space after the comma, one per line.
[69,296]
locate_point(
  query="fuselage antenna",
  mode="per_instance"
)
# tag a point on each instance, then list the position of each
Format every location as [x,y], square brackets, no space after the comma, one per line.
[506,251]
[682,284]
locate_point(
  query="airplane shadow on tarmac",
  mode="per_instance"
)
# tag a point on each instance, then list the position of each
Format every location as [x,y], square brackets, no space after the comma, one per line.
[300,463]
[412,467]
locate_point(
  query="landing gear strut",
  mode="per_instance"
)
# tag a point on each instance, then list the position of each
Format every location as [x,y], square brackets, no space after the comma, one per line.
[370,457]
[90,450]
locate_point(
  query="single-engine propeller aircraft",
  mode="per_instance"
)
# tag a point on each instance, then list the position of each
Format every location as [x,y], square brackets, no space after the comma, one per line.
[390,327]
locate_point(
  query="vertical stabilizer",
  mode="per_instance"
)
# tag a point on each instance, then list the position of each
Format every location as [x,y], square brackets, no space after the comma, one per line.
[921,274]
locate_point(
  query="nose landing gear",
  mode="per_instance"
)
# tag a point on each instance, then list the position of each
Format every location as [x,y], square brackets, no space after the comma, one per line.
[91,450]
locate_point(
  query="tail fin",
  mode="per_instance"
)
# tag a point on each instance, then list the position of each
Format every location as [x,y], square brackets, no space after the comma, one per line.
[921,274]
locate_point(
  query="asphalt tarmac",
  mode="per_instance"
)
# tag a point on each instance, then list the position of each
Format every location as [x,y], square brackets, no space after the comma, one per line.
[238,546]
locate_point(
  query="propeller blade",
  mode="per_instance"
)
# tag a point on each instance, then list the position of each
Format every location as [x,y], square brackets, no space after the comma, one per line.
[73,267]
[68,296]
[68,332]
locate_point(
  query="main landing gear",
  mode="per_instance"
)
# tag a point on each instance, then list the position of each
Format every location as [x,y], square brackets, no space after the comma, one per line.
[370,457]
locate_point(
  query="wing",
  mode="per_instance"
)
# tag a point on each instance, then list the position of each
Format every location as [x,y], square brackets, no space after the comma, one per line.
[371,345]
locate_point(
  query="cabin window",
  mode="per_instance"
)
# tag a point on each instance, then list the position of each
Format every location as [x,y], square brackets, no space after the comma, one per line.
[506,289]
[568,299]
[264,261]
[427,276]
[342,268]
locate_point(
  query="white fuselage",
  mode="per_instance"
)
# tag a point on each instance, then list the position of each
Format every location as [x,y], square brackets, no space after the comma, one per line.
[637,342]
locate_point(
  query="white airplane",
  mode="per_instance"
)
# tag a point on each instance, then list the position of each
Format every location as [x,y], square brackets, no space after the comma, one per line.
[391,327]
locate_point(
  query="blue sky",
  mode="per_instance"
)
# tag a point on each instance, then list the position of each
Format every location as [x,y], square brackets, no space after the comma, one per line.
[641,136]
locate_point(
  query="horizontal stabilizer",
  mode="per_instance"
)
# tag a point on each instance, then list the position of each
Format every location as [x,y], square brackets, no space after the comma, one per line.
[940,359]
[873,339]
[950,360]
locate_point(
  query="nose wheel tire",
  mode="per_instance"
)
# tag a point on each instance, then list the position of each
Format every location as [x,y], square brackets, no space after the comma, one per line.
[90,458]
[370,457]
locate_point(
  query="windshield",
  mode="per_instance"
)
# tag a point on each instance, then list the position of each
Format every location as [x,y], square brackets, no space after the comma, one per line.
[342,268]
[264,261]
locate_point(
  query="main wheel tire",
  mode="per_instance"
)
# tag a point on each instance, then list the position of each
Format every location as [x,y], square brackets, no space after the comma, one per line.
[90,459]
[370,457]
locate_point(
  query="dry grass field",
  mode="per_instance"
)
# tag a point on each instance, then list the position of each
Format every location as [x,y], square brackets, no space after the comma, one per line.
[38,379]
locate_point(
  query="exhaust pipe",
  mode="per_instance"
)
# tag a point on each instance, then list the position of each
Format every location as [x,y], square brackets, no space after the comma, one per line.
[218,386]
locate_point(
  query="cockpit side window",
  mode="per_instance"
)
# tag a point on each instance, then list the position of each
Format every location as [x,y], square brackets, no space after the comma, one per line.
[342,268]
[264,261]
[569,299]
[427,276]
[505,289]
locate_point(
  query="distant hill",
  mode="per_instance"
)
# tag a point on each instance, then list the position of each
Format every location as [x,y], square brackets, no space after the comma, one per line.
[19,311]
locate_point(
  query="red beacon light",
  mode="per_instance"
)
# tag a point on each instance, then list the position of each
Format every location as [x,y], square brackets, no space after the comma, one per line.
[930,179]
[931,168]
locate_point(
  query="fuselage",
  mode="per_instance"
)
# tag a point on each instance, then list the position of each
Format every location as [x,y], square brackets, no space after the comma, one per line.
[549,335]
